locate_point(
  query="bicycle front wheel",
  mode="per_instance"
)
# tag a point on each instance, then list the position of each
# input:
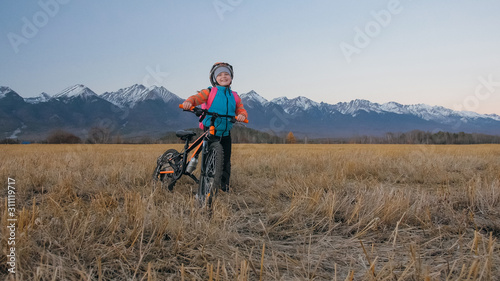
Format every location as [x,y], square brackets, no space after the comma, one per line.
[211,180]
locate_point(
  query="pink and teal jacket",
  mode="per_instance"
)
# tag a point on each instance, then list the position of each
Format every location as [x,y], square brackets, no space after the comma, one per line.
[225,102]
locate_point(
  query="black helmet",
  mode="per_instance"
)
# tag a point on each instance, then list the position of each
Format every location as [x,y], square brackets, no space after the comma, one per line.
[215,67]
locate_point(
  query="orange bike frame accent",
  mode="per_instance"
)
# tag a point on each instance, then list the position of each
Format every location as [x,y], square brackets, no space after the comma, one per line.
[196,149]
[195,146]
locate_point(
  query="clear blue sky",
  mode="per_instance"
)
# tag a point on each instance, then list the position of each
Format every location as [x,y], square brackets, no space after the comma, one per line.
[434,52]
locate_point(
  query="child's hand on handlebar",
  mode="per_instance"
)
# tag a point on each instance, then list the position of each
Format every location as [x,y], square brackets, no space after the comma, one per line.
[187,105]
[240,118]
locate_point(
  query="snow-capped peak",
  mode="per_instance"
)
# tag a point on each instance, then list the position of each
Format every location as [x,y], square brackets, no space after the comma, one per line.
[493,116]
[43,97]
[356,105]
[126,96]
[304,102]
[423,111]
[252,95]
[130,96]
[162,93]
[4,90]
[295,104]
[281,100]
[78,90]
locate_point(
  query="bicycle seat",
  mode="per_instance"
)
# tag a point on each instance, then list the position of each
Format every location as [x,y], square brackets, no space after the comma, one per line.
[185,134]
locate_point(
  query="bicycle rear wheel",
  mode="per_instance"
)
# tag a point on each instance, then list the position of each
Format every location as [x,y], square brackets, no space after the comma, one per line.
[168,168]
[210,182]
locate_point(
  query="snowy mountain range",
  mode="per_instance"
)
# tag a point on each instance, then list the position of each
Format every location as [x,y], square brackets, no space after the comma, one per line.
[354,107]
[151,111]
[129,97]
[362,117]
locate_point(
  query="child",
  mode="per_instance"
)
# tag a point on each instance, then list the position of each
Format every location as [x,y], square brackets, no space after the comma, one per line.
[225,102]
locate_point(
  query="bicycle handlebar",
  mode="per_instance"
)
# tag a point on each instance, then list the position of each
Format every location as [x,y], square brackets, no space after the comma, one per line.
[193,108]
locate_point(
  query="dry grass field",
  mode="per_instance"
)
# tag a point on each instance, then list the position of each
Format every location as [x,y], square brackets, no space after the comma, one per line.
[295,212]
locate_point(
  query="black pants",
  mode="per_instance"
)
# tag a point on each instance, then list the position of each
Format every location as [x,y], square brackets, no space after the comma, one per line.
[226,171]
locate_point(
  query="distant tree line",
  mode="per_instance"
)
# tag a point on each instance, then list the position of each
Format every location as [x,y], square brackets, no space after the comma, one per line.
[10,141]
[417,137]
[61,136]
[241,134]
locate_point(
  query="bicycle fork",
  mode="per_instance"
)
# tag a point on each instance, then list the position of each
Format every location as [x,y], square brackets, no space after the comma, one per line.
[204,154]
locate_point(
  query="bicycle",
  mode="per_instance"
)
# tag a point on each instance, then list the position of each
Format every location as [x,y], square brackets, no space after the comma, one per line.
[172,165]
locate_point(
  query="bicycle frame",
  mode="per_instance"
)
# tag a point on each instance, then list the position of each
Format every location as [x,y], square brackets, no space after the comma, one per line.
[195,146]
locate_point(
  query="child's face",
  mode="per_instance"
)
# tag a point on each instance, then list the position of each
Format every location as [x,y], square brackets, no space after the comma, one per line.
[224,79]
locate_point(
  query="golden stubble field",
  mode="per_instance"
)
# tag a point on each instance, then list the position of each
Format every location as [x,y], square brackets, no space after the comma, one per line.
[295,212]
